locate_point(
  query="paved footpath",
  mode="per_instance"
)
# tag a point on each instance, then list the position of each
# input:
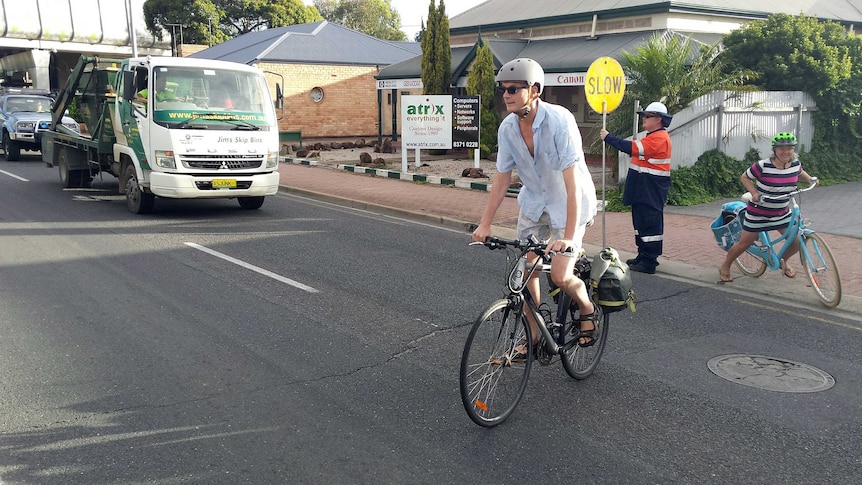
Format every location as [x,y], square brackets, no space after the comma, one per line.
[690,251]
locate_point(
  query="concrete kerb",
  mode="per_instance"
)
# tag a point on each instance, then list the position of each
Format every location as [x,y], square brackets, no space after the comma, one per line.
[394,174]
[791,293]
[440,221]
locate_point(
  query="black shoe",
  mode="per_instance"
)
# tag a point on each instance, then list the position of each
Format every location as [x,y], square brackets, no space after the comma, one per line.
[633,260]
[642,268]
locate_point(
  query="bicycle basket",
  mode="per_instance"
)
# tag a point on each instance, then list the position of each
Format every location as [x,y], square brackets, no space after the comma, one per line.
[727,228]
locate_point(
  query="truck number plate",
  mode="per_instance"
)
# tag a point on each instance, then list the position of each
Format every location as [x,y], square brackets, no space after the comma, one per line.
[224,183]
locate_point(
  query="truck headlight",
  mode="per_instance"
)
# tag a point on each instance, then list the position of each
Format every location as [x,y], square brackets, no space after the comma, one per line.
[271,160]
[165,159]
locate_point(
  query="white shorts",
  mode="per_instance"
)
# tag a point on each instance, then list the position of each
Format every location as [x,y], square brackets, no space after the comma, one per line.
[544,232]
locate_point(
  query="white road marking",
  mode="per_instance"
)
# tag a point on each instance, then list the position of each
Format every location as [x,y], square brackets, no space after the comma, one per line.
[97,198]
[14,176]
[253,268]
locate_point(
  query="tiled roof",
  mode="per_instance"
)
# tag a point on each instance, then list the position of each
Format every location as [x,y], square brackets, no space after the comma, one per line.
[313,43]
[496,14]
[571,54]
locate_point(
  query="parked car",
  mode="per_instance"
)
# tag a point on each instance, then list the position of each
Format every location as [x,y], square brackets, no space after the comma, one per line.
[25,117]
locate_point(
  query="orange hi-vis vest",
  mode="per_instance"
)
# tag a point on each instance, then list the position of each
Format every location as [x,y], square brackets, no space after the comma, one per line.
[657,147]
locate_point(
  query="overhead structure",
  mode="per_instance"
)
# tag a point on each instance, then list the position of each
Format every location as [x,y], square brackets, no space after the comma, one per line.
[41,36]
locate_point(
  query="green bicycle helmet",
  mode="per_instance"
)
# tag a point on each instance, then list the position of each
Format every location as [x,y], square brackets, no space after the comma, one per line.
[784,139]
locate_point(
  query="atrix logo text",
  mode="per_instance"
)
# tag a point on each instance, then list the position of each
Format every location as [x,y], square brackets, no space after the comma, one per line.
[425,109]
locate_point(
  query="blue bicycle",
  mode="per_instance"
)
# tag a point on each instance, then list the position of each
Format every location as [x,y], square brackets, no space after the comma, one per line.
[816,258]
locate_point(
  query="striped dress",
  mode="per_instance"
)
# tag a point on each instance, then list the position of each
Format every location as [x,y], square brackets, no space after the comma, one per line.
[773,210]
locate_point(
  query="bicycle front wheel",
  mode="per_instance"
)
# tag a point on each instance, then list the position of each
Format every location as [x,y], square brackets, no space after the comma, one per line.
[750,264]
[821,269]
[493,372]
[580,362]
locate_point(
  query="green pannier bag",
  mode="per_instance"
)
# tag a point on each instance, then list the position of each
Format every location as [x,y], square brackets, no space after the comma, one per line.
[611,280]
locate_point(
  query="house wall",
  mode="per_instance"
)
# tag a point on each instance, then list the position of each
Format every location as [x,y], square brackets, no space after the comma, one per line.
[349,105]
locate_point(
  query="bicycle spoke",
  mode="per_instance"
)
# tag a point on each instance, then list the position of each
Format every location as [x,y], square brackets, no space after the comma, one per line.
[750,264]
[821,269]
[580,362]
[493,377]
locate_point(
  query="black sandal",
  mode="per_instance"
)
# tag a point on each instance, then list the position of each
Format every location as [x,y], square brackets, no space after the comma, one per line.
[588,335]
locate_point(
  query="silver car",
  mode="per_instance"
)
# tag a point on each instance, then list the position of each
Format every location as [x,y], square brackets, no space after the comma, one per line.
[25,117]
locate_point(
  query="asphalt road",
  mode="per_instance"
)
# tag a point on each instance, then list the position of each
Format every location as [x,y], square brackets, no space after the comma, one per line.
[310,343]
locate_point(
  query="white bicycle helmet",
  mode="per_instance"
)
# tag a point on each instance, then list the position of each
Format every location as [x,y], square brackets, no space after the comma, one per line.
[522,69]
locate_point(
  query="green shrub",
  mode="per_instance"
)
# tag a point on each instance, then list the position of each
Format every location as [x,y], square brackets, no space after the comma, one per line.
[74,111]
[613,200]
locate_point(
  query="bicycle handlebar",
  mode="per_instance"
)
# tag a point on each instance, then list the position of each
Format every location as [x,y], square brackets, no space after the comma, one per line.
[527,245]
[746,197]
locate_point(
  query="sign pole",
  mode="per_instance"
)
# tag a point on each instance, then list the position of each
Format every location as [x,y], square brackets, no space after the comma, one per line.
[604,86]
[604,171]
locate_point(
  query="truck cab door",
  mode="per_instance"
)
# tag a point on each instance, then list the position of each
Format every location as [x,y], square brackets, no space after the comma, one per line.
[135,112]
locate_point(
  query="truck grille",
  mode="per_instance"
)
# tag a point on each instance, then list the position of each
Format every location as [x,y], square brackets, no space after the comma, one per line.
[229,162]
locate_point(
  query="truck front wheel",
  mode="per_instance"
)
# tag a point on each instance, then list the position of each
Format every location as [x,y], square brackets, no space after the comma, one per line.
[250,203]
[11,148]
[138,201]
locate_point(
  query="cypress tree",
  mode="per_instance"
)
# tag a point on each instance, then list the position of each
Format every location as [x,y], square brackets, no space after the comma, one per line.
[429,52]
[436,52]
[480,81]
[444,50]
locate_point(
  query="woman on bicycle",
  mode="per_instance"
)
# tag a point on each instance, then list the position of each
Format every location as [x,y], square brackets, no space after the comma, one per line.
[768,181]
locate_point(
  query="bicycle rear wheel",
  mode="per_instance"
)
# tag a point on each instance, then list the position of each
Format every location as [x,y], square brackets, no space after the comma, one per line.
[580,362]
[750,264]
[493,377]
[821,269]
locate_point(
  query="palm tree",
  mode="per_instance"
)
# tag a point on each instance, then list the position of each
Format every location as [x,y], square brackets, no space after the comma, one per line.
[674,70]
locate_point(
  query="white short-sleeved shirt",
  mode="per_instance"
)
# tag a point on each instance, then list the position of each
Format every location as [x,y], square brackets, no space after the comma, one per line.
[557,146]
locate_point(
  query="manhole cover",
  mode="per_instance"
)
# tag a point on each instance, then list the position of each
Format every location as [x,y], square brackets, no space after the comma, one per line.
[769,373]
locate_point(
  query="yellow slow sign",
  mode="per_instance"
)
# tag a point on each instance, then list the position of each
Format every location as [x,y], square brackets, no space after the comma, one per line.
[605,85]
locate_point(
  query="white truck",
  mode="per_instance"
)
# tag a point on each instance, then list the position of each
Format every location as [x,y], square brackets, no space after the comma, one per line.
[169,127]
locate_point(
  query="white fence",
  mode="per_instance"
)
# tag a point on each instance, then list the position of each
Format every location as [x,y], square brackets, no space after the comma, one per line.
[734,122]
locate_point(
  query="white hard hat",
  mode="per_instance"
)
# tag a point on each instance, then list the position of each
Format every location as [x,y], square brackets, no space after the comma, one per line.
[655,107]
[658,109]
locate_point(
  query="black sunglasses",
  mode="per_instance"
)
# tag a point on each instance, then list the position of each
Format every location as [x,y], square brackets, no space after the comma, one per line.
[645,115]
[510,89]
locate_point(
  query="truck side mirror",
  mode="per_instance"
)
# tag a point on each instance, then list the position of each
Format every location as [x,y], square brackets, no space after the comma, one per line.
[128,85]
[279,97]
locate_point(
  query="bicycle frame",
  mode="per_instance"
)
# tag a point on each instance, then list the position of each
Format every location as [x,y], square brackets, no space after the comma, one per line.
[520,297]
[764,245]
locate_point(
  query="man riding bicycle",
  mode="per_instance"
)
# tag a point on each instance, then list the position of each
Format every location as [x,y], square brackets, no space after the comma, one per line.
[557,198]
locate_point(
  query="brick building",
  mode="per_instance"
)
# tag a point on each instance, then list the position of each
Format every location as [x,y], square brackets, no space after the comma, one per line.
[566,37]
[325,71]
